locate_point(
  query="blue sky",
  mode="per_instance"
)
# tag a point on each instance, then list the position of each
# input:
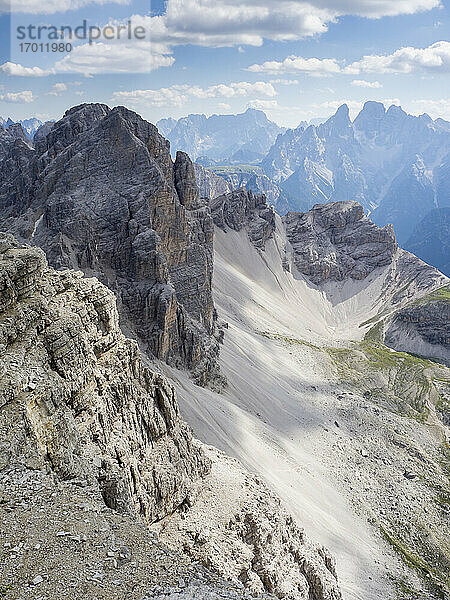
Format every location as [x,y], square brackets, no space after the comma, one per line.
[296,60]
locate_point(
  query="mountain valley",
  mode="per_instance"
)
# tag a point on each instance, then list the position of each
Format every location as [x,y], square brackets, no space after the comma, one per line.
[205,393]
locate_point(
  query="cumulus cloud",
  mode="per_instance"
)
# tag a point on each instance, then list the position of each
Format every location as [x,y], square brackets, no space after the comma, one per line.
[232,22]
[285,81]
[24,97]
[215,24]
[310,15]
[374,9]
[57,89]
[100,57]
[434,58]
[14,69]
[177,95]
[297,64]
[366,84]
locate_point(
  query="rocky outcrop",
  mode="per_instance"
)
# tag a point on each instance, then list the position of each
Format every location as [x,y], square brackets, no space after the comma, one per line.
[101,193]
[243,209]
[423,327]
[260,544]
[209,184]
[85,424]
[337,241]
[77,396]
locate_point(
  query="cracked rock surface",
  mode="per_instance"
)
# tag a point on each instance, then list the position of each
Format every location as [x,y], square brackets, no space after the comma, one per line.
[241,209]
[101,193]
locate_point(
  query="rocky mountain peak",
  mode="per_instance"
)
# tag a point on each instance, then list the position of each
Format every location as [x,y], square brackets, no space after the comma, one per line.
[342,115]
[130,216]
[185,182]
[241,209]
[335,241]
[370,117]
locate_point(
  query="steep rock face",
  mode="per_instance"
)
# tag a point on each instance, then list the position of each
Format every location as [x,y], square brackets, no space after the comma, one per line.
[78,396]
[336,241]
[423,327]
[209,184]
[242,208]
[103,195]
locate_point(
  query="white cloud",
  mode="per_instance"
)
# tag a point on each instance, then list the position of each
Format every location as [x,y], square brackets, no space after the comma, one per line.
[224,106]
[100,57]
[262,104]
[24,97]
[308,15]
[375,9]
[434,58]
[285,81]
[57,89]
[215,24]
[366,84]
[37,7]
[13,69]
[177,95]
[297,64]
[435,108]
[232,22]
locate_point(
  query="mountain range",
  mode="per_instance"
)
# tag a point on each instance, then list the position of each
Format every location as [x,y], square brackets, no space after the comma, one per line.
[240,138]
[395,164]
[202,398]
[30,125]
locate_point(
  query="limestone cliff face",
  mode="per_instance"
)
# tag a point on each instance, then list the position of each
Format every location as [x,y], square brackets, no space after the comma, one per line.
[423,327]
[241,209]
[102,194]
[336,241]
[78,394]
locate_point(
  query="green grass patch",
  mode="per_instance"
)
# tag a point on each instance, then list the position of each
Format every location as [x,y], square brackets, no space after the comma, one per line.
[434,580]
[440,295]
[375,333]
[5,592]
[228,169]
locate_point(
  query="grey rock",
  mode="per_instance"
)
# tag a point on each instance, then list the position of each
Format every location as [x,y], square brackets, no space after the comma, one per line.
[241,209]
[96,413]
[337,241]
[423,327]
[101,193]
